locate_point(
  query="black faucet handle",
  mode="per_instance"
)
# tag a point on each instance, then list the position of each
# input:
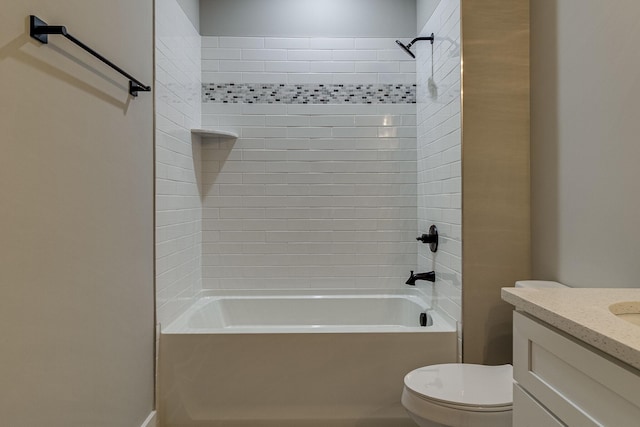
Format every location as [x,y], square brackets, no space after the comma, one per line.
[425,238]
[431,238]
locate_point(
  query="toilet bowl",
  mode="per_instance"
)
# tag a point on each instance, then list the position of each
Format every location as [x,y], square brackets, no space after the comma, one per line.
[463,395]
[459,395]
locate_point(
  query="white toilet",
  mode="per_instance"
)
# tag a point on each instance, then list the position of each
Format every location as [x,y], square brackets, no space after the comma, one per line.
[460,395]
[463,395]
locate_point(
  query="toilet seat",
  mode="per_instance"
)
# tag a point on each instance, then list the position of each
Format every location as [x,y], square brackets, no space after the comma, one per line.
[464,387]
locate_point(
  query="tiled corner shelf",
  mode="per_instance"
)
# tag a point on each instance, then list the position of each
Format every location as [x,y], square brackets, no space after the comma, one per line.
[212,133]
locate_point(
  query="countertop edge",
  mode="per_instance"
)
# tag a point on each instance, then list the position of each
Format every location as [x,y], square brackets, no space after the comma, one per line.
[603,342]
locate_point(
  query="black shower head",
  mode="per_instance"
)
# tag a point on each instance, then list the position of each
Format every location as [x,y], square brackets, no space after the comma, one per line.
[406,48]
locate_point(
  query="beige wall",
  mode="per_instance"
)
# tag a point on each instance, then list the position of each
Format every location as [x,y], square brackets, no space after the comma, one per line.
[585,150]
[76,218]
[495,171]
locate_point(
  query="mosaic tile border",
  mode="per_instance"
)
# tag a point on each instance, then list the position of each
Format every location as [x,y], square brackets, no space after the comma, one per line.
[270,93]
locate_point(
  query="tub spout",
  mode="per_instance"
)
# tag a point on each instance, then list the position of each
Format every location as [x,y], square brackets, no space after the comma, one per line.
[429,277]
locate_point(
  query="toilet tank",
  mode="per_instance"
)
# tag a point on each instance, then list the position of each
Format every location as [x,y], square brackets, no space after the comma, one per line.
[539,284]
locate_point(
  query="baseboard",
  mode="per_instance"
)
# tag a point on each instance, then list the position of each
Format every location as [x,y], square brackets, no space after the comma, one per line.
[151,420]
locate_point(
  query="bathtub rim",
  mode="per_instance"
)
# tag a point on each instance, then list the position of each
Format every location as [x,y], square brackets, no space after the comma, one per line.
[441,321]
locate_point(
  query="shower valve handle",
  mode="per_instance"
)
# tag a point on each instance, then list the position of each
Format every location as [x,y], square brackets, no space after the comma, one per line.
[427,238]
[431,238]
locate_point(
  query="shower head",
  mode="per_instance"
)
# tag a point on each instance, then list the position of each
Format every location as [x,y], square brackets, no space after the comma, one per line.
[407,48]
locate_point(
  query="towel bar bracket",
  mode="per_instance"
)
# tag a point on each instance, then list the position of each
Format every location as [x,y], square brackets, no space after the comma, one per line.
[40,30]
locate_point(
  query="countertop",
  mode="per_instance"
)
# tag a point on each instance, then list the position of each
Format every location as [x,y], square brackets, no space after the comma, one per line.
[584,313]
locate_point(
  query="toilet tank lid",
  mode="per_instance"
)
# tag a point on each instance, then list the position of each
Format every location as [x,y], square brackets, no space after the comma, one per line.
[464,384]
[539,284]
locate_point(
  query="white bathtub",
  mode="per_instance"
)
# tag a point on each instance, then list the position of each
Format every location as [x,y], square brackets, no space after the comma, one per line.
[307,312]
[309,359]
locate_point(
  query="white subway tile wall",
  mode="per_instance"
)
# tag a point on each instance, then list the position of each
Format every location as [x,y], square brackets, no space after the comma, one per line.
[439,155]
[305,60]
[318,195]
[177,90]
[309,197]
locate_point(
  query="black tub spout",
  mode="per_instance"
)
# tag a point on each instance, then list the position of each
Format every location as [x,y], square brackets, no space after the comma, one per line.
[429,276]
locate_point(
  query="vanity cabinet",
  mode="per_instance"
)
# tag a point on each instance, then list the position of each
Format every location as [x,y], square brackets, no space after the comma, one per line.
[530,412]
[562,381]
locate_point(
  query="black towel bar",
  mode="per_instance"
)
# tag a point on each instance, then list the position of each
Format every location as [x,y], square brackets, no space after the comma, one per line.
[39,30]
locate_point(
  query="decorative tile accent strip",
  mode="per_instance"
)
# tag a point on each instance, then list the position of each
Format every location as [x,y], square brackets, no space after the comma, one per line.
[260,93]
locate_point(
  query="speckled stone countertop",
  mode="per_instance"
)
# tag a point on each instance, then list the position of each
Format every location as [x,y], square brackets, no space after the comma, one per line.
[584,313]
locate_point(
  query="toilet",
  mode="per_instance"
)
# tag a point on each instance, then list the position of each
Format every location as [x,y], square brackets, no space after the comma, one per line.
[460,395]
[463,394]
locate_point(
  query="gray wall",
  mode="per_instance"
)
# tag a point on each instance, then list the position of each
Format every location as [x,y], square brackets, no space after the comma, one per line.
[191,8]
[585,150]
[425,9]
[76,218]
[308,18]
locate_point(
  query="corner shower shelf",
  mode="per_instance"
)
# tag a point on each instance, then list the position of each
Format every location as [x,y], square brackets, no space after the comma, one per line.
[210,133]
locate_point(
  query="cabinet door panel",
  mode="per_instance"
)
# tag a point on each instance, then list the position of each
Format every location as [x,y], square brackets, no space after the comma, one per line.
[577,383]
[527,412]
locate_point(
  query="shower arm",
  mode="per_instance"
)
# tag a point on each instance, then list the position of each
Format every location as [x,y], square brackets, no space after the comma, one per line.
[430,38]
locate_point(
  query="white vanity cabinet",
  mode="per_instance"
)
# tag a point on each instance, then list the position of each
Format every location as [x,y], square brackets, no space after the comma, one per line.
[561,381]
